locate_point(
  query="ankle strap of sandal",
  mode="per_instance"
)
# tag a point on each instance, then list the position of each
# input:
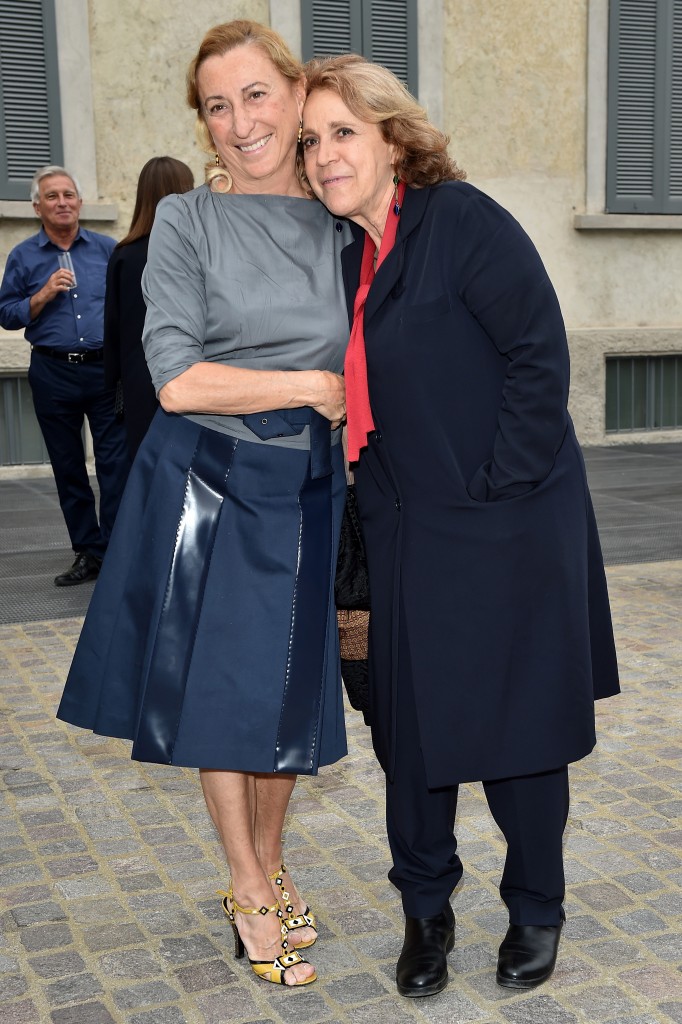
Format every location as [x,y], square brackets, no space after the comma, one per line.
[274,909]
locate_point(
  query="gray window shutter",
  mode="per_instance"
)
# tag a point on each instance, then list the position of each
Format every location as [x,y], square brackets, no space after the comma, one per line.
[384,31]
[30,121]
[644,138]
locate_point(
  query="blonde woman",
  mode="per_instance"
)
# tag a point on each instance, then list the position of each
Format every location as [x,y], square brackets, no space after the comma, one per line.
[211,639]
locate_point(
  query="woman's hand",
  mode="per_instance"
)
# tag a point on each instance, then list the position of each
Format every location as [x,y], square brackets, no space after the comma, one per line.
[328,392]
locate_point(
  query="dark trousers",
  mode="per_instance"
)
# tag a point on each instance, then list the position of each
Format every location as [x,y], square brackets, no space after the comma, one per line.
[63,395]
[530,811]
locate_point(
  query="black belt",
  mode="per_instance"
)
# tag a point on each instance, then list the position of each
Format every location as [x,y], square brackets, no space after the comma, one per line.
[87,355]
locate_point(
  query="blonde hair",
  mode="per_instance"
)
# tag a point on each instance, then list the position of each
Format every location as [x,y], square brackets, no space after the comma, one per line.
[374,95]
[218,41]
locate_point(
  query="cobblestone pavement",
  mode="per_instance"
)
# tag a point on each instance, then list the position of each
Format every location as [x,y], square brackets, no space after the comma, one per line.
[108,868]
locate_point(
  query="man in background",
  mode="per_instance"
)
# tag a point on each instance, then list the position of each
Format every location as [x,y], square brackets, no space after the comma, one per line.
[62,314]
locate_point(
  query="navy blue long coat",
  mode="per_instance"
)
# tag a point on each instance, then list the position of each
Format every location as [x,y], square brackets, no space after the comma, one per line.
[482,546]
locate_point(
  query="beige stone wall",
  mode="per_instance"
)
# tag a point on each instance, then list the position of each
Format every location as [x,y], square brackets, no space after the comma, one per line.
[515,106]
[140,53]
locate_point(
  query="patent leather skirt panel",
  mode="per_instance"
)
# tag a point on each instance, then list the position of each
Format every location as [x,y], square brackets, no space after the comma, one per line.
[211,637]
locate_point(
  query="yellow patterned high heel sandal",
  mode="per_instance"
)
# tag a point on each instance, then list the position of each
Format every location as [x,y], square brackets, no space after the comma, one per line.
[267,970]
[305,920]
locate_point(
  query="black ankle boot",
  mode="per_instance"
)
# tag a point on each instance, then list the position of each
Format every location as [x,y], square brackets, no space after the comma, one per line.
[528,955]
[422,966]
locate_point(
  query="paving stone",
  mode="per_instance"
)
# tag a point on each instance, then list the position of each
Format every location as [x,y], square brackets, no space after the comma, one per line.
[85,1013]
[112,937]
[130,963]
[170,834]
[602,896]
[167,1015]
[15,855]
[136,883]
[670,904]
[615,953]
[305,1005]
[229,1006]
[202,976]
[45,937]
[74,888]
[95,911]
[655,982]
[666,947]
[21,875]
[24,1012]
[354,988]
[57,964]
[603,1002]
[537,1010]
[387,1010]
[144,995]
[27,894]
[37,913]
[54,849]
[77,986]
[12,985]
[33,818]
[362,920]
[640,922]
[71,866]
[187,949]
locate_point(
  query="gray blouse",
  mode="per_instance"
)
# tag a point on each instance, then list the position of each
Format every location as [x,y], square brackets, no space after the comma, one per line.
[249,280]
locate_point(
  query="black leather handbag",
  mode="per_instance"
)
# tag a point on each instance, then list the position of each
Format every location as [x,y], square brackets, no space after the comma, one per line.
[351,592]
[351,587]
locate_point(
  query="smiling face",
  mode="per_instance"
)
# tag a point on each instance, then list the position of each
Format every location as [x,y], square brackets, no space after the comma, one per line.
[58,205]
[349,165]
[252,113]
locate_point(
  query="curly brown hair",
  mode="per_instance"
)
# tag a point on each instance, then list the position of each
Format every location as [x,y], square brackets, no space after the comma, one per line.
[374,94]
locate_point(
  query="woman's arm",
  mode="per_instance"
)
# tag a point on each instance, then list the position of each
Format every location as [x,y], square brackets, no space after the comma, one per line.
[233,390]
[506,288]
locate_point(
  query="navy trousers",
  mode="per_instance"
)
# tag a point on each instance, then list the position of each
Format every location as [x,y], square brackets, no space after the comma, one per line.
[530,811]
[63,395]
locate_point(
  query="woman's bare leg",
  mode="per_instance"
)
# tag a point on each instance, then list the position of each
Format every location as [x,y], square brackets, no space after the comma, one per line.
[232,801]
[273,793]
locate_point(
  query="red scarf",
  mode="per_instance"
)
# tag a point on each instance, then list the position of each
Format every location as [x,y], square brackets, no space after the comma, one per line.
[358,411]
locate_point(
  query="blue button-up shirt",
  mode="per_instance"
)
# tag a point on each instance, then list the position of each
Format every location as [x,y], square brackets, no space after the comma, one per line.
[74,320]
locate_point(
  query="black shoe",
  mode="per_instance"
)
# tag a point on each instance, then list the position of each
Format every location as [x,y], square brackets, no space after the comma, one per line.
[422,968]
[86,567]
[527,955]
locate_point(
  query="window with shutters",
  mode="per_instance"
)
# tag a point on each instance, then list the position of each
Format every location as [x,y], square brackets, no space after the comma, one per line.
[644,132]
[30,122]
[384,31]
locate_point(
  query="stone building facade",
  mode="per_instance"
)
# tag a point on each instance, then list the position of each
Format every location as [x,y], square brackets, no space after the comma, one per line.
[520,87]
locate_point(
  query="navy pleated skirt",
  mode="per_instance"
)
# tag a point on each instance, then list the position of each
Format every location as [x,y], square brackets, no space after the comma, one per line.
[211,638]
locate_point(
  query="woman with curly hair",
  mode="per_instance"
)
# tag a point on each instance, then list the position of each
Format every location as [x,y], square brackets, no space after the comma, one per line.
[490,629]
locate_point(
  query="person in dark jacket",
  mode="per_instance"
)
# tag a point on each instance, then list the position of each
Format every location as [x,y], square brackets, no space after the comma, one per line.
[490,628]
[124,308]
